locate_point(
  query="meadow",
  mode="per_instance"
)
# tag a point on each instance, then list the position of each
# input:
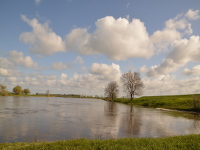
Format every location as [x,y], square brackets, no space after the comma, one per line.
[175,102]
[187,142]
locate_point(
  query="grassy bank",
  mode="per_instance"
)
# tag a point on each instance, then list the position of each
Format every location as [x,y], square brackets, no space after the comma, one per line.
[178,102]
[188,142]
[52,95]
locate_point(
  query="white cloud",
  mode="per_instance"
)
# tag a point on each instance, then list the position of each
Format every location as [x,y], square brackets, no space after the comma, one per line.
[12,80]
[118,39]
[51,77]
[5,63]
[59,66]
[174,30]
[42,40]
[16,58]
[8,72]
[92,84]
[194,71]
[4,72]
[19,59]
[106,72]
[143,69]
[183,51]
[179,23]
[63,76]
[176,23]
[79,60]
[161,39]
[167,66]
[169,85]
[193,14]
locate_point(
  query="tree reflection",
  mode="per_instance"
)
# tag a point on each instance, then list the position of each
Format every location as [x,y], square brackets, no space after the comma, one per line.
[196,122]
[110,109]
[133,121]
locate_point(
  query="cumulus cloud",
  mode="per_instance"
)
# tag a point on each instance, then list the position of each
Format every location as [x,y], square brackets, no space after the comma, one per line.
[170,85]
[162,39]
[167,66]
[18,58]
[63,76]
[194,71]
[42,40]
[51,77]
[8,72]
[143,69]
[179,23]
[176,23]
[183,52]
[193,14]
[174,30]
[92,84]
[106,72]
[5,63]
[59,66]
[118,39]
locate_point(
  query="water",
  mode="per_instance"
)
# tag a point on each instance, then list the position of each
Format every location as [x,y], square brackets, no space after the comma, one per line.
[29,119]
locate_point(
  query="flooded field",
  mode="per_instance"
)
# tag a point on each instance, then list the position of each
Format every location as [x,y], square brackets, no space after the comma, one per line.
[32,119]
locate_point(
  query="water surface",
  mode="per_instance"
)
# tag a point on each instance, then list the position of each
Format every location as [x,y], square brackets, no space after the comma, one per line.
[29,119]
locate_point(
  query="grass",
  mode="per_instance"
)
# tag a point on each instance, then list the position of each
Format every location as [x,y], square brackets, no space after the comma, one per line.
[188,142]
[177,102]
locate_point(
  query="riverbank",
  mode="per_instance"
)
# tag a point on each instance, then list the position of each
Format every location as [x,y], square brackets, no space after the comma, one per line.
[187,142]
[52,95]
[176,102]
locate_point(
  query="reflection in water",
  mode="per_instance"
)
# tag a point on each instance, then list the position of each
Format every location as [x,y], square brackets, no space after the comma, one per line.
[48,119]
[133,122]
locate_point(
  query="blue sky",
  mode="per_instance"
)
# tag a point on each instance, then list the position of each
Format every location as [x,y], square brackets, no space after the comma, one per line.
[74,46]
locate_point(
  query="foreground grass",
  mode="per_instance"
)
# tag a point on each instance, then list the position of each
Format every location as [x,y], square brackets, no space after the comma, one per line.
[178,102]
[188,142]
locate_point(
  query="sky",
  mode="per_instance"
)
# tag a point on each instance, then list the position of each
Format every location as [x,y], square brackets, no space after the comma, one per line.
[78,47]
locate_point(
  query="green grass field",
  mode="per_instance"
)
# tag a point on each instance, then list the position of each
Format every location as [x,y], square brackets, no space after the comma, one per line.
[178,102]
[188,142]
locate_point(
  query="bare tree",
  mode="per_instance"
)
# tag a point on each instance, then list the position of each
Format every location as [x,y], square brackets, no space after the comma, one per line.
[132,84]
[47,93]
[112,90]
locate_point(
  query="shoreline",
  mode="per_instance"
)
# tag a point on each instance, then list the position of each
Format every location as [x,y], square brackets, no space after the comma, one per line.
[181,103]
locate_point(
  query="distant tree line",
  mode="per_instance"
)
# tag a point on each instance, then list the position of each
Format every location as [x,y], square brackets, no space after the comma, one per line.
[132,85]
[17,90]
